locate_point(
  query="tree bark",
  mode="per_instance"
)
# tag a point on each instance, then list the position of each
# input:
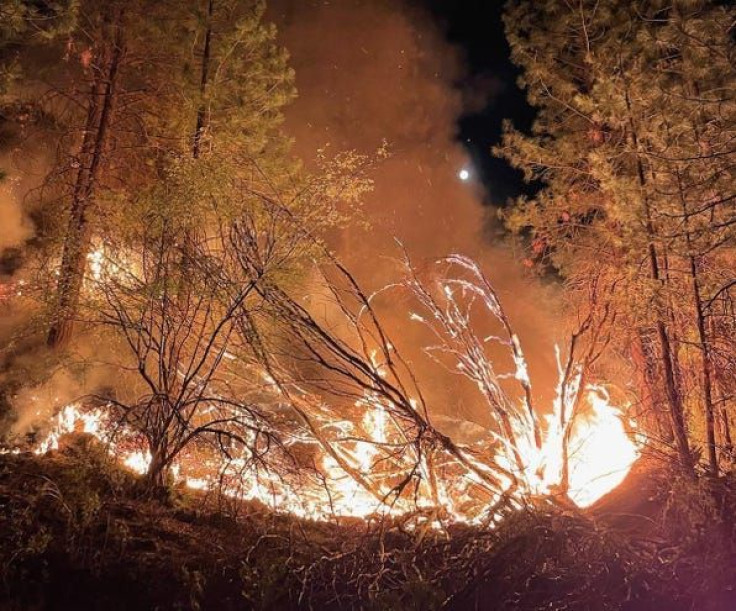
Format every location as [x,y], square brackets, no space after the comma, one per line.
[91,156]
[697,294]
[706,360]
[202,121]
[189,237]
[706,363]
[158,470]
[651,414]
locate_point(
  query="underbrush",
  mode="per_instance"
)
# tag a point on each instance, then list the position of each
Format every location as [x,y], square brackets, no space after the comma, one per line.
[77,532]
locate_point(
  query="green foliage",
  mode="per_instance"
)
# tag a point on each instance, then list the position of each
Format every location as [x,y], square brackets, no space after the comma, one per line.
[25,25]
[60,506]
[268,581]
[607,102]
[240,87]
[414,594]
[194,582]
[36,20]
[699,519]
[72,514]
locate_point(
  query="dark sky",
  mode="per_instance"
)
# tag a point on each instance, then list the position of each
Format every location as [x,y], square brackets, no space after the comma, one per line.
[490,86]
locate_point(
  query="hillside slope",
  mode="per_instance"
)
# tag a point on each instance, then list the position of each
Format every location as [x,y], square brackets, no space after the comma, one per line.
[75,532]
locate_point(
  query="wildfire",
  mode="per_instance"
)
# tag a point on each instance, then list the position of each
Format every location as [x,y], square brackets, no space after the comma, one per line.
[601,450]
[366,462]
[601,453]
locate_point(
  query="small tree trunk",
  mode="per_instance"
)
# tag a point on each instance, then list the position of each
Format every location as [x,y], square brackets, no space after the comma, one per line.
[201,124]
[706,371]
[567,424]
[726,431]
[188,241]
[706,360]
[721,383]
[158,470]
[651,414]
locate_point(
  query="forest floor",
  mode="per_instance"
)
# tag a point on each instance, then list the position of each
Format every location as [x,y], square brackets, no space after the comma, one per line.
[76,533]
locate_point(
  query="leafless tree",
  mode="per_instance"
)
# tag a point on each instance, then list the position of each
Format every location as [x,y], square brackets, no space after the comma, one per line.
[178,345]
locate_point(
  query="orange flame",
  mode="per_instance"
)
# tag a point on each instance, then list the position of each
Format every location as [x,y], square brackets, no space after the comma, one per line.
[601,453]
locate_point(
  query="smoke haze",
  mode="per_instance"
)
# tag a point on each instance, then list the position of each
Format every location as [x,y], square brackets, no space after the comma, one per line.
[368,72]
[19,176]
[15,228]
[373,70]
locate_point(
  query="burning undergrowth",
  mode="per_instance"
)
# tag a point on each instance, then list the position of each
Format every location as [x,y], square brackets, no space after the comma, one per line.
[313,408]
[232,374]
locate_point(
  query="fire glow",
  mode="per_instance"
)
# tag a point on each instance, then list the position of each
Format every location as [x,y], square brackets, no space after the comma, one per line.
[579,450]
[601,452]
[601,455]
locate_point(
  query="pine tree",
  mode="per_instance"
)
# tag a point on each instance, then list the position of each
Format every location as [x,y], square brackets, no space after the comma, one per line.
[692,160]
[238,80]
[233,85]
[25,24]
[615,136]
[106,63]
[157,83]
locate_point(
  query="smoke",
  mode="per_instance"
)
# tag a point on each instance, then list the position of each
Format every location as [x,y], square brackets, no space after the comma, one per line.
[24,163]
[15,228]
[25,160]
[42,383]
[369,70]
[16,180]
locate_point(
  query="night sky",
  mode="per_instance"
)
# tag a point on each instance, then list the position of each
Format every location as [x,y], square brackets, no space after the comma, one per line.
[476,27]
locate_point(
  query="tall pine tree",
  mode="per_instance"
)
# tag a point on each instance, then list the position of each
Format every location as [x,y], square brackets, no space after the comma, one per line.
[617,146]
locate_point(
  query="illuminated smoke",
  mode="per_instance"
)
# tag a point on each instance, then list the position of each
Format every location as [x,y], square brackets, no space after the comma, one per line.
[379,70]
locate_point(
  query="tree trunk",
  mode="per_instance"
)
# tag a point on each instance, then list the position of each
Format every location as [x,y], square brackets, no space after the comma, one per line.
[674,400]
[651,414]
[188,239]
[673,396]
[697,294]
[91,156]
[706,363]
[158,469]
[202,121]
[567,421]
[706,360]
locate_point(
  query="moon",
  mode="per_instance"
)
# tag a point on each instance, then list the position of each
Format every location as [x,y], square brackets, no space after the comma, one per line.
[463,174]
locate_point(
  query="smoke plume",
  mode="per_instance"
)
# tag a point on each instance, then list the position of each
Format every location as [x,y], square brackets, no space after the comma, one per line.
[373,70]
